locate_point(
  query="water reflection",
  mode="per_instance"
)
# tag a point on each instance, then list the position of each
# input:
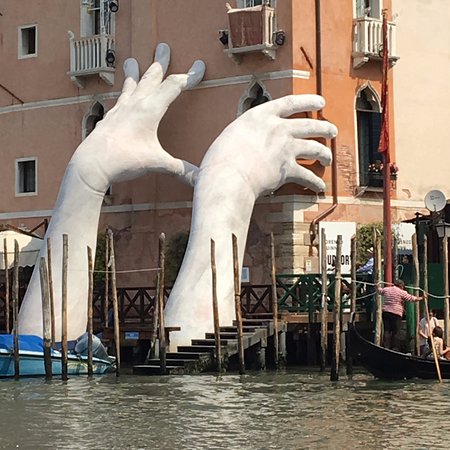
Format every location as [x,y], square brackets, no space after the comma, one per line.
[291,410]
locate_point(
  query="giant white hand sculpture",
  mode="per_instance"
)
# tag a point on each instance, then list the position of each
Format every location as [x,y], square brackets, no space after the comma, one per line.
[123,146]
[257,153]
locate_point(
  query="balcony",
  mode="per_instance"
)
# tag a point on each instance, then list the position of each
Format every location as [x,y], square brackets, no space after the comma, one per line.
[252,30]
[88,56]
[368,39]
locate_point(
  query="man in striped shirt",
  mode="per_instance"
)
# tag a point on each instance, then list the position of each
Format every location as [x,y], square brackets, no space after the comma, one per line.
[393,307]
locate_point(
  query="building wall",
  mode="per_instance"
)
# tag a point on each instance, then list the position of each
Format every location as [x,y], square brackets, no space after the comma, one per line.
[49,123]
[422,97]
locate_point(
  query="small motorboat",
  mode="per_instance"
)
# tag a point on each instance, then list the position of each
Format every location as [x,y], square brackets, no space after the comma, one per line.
[31,358]
[392,365]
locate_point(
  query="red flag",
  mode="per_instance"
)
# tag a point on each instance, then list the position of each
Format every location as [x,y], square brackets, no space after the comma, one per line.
[384,135]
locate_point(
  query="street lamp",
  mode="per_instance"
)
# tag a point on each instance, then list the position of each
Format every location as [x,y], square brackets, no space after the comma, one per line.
[442,229]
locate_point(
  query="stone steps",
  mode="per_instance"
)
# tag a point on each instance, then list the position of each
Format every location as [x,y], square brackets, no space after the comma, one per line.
[199,356]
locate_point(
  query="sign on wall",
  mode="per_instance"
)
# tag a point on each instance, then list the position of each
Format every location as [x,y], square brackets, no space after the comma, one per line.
[404,233]
[332,230]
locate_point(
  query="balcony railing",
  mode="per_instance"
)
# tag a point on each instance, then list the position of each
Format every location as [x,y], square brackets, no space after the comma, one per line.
[88,57]
[251,30]
[368,40]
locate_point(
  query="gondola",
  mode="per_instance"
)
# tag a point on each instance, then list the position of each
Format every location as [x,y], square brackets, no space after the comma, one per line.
[392,365]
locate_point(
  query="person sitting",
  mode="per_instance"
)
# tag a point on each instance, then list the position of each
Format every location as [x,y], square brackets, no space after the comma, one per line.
[424,333]
[367,268]
[442,350]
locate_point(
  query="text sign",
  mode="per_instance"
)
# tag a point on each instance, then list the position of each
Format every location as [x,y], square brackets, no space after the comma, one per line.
[131,335]
[332,230]
[404,233]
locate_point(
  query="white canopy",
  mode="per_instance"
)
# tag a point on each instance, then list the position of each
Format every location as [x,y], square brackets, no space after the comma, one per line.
[29,247]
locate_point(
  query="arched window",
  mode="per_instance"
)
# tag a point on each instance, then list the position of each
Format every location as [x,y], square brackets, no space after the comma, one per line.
[94,116]
[255,95]
[91,119]
[368,116]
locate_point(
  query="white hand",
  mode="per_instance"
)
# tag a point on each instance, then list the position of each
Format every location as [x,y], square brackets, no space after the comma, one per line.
[125,145]
[256,153]
[263,145]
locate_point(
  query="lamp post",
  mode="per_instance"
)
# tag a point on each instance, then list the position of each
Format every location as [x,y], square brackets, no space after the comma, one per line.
[442,229]
[443,232]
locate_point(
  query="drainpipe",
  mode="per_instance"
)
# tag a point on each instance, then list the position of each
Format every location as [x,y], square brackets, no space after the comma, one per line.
[328,211]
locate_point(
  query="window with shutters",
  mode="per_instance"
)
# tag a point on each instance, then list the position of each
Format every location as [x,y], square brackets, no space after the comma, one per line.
[368,117]
[368,8]
[26,176]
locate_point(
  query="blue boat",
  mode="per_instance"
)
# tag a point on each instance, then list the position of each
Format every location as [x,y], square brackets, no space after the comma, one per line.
[31,358]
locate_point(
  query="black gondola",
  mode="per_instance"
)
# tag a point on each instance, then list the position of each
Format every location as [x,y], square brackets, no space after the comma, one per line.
[392,365]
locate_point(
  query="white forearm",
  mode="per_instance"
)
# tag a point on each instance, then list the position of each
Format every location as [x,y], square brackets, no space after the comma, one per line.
[76,214]
[222,206]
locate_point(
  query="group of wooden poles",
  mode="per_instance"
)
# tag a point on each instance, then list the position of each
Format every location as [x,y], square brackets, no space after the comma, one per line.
[377,275]
[158,318]
[238,307]
[48,310]
[158,329]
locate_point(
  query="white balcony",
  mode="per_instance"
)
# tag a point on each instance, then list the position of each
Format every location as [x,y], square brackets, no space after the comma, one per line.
[88,57]
[368,40]
[252,30]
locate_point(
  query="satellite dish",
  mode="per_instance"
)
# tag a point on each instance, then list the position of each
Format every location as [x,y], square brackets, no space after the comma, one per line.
[435,201]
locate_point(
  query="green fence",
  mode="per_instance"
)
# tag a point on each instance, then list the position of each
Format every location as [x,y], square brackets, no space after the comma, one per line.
[300,293]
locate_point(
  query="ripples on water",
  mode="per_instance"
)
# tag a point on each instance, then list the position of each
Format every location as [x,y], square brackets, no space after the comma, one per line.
[288,410]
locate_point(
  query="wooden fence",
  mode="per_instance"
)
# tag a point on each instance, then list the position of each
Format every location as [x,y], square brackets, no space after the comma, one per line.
[296,293]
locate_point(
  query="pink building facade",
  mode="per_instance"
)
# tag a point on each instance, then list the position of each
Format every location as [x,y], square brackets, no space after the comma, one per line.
[61,71]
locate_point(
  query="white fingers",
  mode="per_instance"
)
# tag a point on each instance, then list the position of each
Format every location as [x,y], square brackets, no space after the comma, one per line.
[301,175]
[131,72]
[310,128]
[195,74]
[155,73]
[173,85]
[302,149]
[184,170]
[292,104]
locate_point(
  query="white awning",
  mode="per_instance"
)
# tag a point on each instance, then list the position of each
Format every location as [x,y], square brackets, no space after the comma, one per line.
[29,247]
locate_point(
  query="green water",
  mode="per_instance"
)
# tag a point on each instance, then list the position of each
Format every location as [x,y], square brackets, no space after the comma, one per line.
[287,410]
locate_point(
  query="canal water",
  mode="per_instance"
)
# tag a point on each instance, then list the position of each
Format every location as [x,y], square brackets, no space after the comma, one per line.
[271,410]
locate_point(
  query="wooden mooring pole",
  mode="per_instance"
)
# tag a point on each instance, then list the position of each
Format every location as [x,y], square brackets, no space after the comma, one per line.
[348,343]
[215,308]
[7,307]
[64,350]
[90,319]
[337,313]
[50,291]
[324,302]
[46,318]
[353,273]
[115,300]
[276,346]
[106,299]
[415,252]
[237,304]
[446,289]
[377,280]
[15,293]
[425,302]
[162,329]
